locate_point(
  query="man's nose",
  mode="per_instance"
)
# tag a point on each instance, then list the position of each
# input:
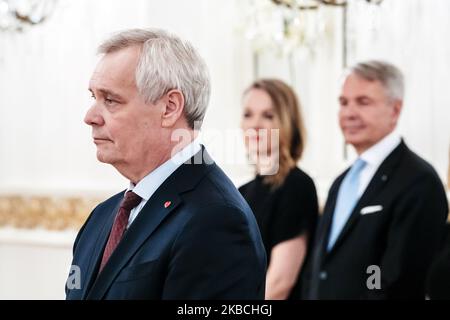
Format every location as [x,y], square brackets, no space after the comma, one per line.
[93,117]
[349,111]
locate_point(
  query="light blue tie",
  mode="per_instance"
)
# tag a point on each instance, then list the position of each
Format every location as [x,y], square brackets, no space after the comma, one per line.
[346,200]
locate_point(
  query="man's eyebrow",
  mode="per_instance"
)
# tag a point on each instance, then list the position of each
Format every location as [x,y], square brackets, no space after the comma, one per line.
[363,97]
[356,98]
[109,93]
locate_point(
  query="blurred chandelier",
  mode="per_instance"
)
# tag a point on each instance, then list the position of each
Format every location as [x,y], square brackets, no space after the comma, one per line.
[285,25]
[314,4]
[16,15]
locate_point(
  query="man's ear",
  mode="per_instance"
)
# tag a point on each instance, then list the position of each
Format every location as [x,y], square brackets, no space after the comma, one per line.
[174,106]
[398,104]
[397,108]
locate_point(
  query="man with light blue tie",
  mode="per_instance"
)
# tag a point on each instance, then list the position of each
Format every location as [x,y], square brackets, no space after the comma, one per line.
[384,217]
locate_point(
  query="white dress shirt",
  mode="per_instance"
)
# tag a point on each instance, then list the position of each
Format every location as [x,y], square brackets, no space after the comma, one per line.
[374,156]
[151,182]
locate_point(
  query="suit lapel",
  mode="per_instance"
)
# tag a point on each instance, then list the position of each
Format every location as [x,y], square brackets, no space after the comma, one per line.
[379,180]
[94,262]
[152,215]
[321,238]
[145,224]
[326,220]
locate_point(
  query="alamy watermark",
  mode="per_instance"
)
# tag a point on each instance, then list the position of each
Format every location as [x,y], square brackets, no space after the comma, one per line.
[74,279]
[374,280]
[260,145]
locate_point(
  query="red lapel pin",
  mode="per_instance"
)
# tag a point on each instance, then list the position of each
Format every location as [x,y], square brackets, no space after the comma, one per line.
[167,203]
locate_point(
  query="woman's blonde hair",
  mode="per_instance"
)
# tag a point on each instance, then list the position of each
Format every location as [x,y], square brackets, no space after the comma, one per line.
[292,132]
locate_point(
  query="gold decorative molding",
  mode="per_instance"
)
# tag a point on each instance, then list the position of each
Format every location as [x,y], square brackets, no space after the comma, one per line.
[52,213]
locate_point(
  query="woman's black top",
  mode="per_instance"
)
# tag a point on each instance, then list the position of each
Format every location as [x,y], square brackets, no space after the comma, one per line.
[283,213]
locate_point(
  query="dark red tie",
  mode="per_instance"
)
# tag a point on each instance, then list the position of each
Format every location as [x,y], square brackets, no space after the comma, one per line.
[130,201]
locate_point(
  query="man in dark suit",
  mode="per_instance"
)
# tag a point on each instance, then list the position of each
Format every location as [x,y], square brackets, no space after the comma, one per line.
[181,230]
[384,217]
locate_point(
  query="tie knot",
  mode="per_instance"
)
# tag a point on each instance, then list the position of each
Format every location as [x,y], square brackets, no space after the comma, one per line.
[131,200]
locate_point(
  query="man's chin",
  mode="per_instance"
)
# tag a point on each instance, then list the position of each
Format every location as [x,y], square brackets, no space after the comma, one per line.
[104,158]
[352,138]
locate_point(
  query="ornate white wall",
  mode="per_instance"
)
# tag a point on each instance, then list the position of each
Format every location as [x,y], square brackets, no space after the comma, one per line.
[34,263]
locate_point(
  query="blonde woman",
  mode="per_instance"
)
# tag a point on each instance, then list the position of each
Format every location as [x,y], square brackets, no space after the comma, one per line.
[282,196]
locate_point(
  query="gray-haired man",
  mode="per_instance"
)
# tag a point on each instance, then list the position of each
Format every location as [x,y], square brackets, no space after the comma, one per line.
[180,230]
[384,217]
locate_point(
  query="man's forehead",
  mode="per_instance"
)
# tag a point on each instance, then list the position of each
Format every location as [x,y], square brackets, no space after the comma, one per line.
[362,81]
[358,85]
[111,74]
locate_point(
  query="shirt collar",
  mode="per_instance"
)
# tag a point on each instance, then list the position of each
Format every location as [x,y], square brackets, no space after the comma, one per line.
[376,154]
[151,182]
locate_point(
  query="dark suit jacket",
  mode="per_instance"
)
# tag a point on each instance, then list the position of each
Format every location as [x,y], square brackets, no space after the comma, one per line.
[401,238]
[205,245]
[438,279]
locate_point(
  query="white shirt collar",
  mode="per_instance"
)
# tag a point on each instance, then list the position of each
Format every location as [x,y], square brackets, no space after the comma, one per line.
[376,154]
[151,182]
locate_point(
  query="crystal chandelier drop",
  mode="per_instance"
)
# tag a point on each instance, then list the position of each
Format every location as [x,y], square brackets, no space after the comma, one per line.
[285,25]
[17,15]
[314,4]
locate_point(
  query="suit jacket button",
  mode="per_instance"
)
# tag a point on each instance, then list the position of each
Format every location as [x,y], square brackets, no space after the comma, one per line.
[323,275]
